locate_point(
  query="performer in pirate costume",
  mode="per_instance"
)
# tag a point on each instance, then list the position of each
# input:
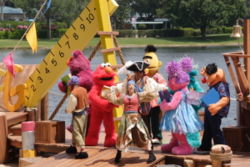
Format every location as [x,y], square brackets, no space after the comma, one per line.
[78,105]
[132,129]
[137,89]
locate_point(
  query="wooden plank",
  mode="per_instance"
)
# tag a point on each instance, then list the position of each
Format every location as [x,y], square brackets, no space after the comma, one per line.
[14,118]
[24,162]
[15,141]
[241,76]
[233,77]
[44,107]
[103,51]
[247,47]
[100,157]
[50,132]
[15,130]
[3,141]
[52,148]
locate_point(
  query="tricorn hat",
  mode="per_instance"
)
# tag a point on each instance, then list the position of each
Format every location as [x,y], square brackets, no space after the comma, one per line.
[138,66]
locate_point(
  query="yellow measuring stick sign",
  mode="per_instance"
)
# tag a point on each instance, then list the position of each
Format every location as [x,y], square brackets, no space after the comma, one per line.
[54,64]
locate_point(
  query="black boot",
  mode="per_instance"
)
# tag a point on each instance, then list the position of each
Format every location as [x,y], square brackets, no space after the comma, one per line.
[118,156]
[82,155]
[151,157]
[71,150]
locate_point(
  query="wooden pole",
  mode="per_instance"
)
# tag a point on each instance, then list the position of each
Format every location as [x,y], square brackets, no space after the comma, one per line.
[58,107]
[247,47]
[3,135]
[44,107]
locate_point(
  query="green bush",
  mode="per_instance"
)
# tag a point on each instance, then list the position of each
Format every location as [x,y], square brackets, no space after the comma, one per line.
[13,24]
[127,33]
[2,34]
[6,34]
[227,29]
[61,31]
[60,25]
[141,26]
[189,32]
[219,30]
[42,33]
[16,34]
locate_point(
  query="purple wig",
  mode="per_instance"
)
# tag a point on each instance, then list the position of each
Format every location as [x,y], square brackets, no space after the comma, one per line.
[174,70]
[186,64]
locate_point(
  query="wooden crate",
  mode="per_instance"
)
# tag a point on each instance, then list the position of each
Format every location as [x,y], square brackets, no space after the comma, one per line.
[238,138]
[50,132]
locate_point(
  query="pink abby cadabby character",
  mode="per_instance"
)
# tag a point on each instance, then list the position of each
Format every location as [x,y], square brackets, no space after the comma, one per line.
[179,116]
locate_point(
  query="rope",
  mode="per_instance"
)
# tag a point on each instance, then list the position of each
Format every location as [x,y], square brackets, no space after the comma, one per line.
[119,51]
[98,46]
[38,13]
[56,94]
[93,53]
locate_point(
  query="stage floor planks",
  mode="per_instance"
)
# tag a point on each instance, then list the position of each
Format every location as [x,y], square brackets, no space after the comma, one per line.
[99,157]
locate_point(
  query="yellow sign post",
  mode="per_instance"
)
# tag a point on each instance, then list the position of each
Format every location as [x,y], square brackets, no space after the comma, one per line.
[95,17]
[76,37]
[107,41]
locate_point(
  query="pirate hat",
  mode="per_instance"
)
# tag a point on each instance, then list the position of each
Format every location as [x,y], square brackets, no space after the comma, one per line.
[138,66]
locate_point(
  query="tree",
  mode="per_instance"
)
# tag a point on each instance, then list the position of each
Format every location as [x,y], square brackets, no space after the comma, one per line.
[30,7]
[145,8]
[202,13]
[60,10]
[122,15]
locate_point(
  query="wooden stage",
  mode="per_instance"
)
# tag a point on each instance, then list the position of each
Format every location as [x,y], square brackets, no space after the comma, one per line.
[102,156]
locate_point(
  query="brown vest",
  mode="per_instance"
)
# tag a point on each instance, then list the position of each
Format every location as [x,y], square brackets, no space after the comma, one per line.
[82,97]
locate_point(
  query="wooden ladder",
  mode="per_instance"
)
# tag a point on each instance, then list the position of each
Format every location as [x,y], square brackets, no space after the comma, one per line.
[116,49]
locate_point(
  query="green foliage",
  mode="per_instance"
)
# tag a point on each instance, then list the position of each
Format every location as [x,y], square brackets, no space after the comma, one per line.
[2,33]
[127,33]
[176,32]
[209,16]
[202,14]
[146,8]
[61,31]
[13,24]
[16,34]
[121,17]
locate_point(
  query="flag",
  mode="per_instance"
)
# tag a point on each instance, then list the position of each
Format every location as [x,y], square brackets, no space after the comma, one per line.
[9,63]
[48,4]
[32,37]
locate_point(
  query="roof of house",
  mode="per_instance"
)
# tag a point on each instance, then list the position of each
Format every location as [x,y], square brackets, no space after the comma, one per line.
[10,10]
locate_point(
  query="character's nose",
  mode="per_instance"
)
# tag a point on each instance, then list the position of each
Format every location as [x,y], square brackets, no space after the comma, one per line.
[108,69]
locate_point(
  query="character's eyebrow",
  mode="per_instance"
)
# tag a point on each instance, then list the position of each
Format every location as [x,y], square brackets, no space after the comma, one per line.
[147,57]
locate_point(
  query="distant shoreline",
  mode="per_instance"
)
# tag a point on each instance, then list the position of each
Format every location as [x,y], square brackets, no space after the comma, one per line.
[217,40]
[143,46]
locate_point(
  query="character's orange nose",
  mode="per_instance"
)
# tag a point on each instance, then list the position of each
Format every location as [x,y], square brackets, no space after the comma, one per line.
[108,69]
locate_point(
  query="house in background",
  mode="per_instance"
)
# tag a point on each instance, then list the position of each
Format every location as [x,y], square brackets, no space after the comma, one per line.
[10,13]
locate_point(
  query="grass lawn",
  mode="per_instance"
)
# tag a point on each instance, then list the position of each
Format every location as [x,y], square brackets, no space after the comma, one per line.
[211,40]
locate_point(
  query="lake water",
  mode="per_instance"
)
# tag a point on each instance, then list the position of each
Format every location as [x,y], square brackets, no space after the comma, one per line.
[201,55]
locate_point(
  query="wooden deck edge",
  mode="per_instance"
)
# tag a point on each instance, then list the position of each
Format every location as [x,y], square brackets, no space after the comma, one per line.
[16,141]
[18,118]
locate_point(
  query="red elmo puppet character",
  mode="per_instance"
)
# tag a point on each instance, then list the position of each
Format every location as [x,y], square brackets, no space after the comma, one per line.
[101,109]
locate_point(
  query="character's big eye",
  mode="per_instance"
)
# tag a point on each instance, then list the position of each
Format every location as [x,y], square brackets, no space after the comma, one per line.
[147,57]
[105,64]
